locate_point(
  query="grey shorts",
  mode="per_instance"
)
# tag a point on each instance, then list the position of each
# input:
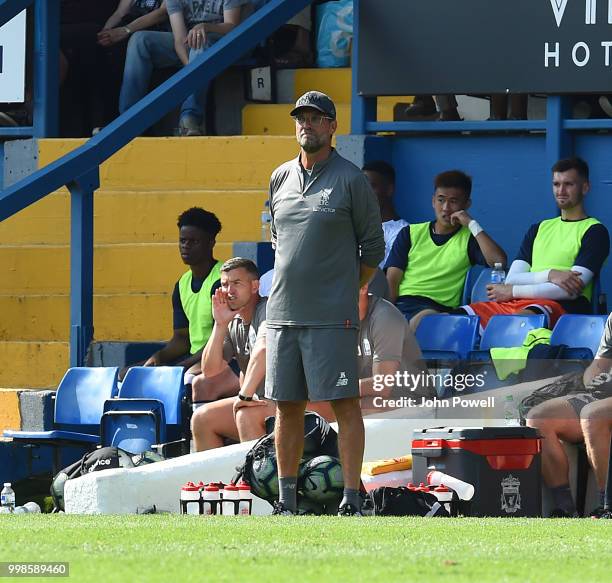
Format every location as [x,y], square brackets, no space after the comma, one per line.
[311,364]
[580,400]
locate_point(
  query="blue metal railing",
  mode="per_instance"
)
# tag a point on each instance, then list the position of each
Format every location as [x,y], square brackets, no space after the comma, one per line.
[79,170]
[45,64]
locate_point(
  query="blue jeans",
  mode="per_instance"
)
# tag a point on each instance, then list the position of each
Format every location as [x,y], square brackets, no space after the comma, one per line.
[149,50]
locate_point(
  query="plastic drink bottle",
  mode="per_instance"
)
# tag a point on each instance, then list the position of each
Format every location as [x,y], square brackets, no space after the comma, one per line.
[464,490]
[498,275]
[246,499]
[190,499]
[7,497]
[231,499]
[211,498]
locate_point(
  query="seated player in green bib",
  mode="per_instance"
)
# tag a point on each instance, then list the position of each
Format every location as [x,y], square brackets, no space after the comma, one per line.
[428,263]
[191,298]
[559,258]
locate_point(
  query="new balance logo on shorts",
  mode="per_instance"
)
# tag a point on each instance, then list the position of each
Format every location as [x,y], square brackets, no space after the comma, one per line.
[342,380]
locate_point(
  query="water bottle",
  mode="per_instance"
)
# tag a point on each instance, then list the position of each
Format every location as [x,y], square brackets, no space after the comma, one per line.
[266,219]
[190,499]
[510,412]
[211,498]
[7,497]
[498,275]
[231,497]
[246,499]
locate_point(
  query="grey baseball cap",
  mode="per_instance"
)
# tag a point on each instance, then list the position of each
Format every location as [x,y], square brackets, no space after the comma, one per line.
[316,100]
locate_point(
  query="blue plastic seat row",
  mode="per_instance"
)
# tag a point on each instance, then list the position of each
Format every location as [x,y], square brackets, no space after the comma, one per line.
[454,337]
[86,396]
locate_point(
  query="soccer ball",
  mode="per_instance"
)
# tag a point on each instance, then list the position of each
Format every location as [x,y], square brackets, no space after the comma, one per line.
[321,480]
[264,477]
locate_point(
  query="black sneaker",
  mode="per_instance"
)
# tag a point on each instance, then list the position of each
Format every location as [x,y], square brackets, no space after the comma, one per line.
[601,512]
[560,513]
[349,510]
[280,510]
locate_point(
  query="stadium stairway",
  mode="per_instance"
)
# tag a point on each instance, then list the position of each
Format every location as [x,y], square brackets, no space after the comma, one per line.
[144,187]
[272,119]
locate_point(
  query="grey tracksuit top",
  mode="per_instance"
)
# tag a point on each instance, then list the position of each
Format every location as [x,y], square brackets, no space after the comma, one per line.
[321,233]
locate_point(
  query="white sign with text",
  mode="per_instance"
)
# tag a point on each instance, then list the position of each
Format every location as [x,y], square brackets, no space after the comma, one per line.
[12,59]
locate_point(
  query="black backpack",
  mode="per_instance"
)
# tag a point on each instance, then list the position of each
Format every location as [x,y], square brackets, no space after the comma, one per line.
[105,458]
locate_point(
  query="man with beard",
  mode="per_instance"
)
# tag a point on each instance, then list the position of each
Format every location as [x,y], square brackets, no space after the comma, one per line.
[558,260]
[326,230]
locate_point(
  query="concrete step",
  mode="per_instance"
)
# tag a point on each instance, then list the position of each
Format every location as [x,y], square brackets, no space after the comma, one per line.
[121,317]
[139,216]
[120,268]
[33,365]
[273,119]
[235,162]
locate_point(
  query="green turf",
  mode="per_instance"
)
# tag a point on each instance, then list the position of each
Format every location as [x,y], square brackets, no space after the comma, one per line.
[321,549]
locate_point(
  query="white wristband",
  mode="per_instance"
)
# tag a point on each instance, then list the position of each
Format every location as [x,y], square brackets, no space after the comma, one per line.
[475,228]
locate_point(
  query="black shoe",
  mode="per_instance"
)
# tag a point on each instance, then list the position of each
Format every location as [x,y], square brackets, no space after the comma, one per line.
[280,510]
[601,512]
[349,510]
[560,513]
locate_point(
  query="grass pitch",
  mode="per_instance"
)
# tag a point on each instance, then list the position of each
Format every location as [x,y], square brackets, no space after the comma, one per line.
[321,549]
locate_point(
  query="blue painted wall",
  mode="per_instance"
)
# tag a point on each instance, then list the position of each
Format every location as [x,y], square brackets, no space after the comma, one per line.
[511,175]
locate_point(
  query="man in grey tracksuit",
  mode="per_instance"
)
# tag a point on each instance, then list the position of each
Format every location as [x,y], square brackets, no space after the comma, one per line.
[326,229]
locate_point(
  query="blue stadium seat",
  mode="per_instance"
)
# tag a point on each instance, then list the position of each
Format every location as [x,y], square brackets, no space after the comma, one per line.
[133,425]
[165,384]
[508,331]
[470,280]
[479,289]
[505,331]
[447,336]
[79,403]
[581,333]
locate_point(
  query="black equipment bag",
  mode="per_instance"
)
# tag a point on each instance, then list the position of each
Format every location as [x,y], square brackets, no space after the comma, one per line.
[105,458]
[388,501]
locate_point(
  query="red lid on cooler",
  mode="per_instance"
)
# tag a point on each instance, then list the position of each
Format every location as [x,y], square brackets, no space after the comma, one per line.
[190,487]
[243,486]
[231,488]
[211,488]
[411,486]
[441,488]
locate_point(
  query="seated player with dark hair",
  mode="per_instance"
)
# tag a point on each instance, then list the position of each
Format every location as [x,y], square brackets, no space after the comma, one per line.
[191,298]
[381,176]
[428,263]
[559,258]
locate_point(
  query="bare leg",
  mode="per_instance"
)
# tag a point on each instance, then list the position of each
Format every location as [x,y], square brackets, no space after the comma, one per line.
[251,420]
[556,420]
[213,422]
[596,422]
[416,319]
[225,384]
[351,439]
[289,436]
